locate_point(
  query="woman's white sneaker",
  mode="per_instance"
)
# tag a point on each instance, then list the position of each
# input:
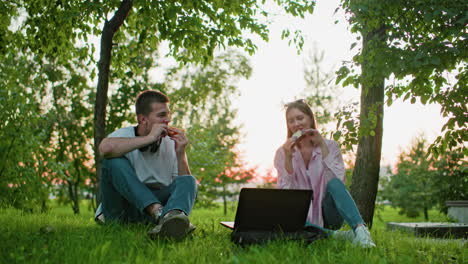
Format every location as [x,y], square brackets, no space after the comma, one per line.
[363,237]
[344,235]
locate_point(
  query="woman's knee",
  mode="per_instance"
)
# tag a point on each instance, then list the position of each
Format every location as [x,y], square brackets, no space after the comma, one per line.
[335,184]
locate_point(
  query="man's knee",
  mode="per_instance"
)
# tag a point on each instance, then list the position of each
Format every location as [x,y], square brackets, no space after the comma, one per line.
[186,180]
[115,163]
[114,167]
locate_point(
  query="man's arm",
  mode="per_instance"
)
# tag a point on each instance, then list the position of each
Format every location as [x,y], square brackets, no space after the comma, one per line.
[181,142]
[183,165]
[117,147]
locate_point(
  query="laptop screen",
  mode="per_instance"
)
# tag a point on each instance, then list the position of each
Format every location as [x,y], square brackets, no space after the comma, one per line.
[272,209]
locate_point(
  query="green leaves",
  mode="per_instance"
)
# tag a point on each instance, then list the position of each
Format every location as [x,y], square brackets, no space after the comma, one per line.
[424,47]
[424,180]
[297,8]
[342,73]
[347,127]
[412,188]
[23,137]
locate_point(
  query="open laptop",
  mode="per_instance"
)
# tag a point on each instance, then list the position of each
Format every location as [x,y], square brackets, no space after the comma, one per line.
[283,210]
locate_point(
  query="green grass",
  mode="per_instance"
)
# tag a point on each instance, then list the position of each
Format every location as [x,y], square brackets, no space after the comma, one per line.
[78,239]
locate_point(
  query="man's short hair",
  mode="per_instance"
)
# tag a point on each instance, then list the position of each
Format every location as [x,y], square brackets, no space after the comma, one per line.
[146,98]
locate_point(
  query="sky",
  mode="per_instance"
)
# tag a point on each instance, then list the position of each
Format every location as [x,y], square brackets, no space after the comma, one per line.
[278,78]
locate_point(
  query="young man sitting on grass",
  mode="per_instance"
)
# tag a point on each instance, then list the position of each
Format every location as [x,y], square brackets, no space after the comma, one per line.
[145,174]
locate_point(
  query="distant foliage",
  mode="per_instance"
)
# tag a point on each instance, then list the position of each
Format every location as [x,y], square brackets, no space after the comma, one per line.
[412,188]
[202,105]
[24,137]
[423,181]
[268,179]
[321,92]
[451,178]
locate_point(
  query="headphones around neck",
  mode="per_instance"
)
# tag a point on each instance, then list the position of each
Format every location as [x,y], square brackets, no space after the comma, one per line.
[153,147]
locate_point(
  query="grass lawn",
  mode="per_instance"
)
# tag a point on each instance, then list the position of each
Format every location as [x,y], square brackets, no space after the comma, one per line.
[78,239]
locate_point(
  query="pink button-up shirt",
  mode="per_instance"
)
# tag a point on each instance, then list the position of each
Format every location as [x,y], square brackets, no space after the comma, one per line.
[315,177]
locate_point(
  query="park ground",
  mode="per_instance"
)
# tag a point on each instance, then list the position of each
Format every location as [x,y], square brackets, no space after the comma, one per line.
[61,237]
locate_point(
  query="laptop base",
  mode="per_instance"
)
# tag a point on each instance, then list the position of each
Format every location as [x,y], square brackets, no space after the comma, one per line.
[307,235]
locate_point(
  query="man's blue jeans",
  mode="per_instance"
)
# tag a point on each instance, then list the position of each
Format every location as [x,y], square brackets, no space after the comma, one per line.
[338,206]
[124,197]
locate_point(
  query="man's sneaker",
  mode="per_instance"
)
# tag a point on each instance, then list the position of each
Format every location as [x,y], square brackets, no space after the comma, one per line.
[191,228]
[363,237]
[157,215]
[344,235]
[174,225]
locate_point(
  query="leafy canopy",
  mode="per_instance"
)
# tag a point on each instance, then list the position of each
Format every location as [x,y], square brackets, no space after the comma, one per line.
[425,54]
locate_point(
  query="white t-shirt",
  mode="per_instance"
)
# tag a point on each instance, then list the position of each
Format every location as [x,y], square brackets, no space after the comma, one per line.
[158,167]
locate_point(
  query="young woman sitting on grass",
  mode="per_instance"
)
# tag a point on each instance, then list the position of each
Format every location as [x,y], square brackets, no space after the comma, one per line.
[308,161]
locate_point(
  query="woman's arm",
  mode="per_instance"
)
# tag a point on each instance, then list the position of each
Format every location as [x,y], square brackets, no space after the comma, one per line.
[285,178]
[333,161]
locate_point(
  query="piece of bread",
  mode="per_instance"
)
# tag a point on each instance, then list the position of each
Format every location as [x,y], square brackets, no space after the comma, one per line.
[298,134]
[171,132]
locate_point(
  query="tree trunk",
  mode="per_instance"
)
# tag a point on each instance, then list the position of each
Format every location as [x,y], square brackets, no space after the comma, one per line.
[44,208]
[75,201]
[224,200]
[366,170]
[74,188]
[426,214]
[108,31]
[73,193]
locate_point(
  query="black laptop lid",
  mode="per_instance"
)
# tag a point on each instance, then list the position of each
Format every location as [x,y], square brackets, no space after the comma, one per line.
[272,209]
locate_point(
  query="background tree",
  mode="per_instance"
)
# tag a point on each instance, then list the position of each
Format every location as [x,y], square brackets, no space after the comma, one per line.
[230,180]
[451,177]
[22,135]
[320,92]
[53,79]
[203,106]
[268,179]
[423,181]
[420,44]
[412,189]
[70,118]
[58,150]
[212,155]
